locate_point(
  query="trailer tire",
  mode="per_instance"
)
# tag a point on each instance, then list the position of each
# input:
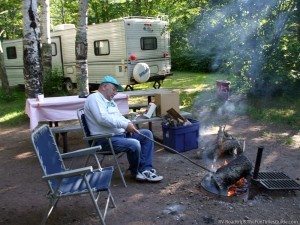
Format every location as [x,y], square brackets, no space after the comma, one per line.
[68,85]
[141,72]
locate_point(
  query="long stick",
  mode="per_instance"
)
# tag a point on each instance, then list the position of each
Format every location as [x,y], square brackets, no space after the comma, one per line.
[174,151]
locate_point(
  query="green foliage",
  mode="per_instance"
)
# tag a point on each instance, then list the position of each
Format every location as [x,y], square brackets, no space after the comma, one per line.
[11,19]
[256,41]
[64,11]
[12,108]
[53,83]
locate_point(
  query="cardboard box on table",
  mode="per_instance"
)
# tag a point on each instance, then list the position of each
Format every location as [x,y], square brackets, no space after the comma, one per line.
[166,101]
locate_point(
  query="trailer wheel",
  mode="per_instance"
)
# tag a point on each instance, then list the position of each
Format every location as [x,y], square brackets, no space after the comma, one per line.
[141,72]
[68,85]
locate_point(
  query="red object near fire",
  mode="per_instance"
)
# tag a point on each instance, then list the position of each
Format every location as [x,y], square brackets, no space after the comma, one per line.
[223,88]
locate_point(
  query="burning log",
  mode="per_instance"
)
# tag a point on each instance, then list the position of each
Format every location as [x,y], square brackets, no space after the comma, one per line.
[232,172]
[229,147]
[226,144]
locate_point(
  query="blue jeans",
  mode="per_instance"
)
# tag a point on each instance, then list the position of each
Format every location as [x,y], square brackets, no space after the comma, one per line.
[139,149]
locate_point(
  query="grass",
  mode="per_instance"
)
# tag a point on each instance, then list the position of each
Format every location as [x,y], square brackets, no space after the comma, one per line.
[193,87]
[12,108]
[189,84]
[278,110]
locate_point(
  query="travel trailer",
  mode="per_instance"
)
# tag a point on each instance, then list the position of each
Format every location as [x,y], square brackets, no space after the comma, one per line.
[133,49]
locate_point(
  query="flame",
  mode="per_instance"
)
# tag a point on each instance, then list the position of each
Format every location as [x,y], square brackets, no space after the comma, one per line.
[236,187]
[241,182]
[231,191]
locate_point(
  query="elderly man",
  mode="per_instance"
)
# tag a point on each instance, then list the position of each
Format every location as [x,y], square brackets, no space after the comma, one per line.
[103,116]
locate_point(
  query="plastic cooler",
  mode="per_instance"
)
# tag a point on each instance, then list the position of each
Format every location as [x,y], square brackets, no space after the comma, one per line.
[182,138]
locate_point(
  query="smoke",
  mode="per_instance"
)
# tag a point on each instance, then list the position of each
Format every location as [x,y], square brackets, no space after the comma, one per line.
[213,112]
[240,36]
[228,108]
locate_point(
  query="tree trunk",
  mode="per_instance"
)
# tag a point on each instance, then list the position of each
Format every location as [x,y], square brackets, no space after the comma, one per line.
[81,47]
[31,49]
[3,74]
[46,38]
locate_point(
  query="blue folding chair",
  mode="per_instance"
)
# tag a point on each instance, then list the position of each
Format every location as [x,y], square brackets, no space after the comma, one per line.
[63,182]
[92,140]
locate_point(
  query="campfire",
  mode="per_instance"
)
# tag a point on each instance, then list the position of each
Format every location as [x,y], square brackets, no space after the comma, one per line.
[231,171]
[232,168]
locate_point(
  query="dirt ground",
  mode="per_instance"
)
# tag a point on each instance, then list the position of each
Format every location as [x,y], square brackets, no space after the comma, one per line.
[178,199]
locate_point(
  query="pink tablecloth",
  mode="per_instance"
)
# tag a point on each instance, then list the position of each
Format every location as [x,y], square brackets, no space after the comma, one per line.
[63,108]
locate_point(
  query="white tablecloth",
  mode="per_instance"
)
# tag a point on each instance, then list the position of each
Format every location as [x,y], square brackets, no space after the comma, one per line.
[63,108]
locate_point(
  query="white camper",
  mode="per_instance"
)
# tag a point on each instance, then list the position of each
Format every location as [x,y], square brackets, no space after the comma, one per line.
[133,49]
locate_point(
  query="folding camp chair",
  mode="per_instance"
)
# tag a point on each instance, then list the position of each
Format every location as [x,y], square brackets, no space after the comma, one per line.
[92,140]
[63,182]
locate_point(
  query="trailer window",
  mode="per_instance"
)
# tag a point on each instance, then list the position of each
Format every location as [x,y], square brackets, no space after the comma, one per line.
[54,49]
[11,52]
[148,43]
[101,47]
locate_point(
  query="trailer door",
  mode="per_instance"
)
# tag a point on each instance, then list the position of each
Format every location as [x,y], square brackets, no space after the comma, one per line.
[57,60]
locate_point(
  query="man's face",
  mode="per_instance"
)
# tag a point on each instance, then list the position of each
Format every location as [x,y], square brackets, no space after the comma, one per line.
[110,91]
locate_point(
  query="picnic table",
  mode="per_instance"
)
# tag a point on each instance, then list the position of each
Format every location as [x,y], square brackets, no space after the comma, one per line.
[64,108]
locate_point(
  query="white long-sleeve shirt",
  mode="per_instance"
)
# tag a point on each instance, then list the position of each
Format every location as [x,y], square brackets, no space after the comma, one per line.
[103,116]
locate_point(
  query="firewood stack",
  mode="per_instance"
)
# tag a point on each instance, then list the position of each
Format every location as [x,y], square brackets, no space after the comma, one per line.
[174,119]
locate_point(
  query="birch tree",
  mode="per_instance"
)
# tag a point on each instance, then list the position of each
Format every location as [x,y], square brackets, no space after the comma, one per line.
[81,47]
[31,49]
[3,74]
[45,37]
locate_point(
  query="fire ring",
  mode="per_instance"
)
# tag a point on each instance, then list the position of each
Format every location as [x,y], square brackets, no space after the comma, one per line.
[209,185]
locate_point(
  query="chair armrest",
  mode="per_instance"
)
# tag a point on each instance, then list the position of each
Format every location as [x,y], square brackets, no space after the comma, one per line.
[147,120]
[98,136]
[81,152]
[69,173]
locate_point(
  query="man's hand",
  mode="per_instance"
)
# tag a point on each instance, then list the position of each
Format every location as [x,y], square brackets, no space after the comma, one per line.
[131,128]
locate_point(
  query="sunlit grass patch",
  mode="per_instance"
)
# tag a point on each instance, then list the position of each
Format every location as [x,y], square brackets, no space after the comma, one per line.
[11,116]
[12,108]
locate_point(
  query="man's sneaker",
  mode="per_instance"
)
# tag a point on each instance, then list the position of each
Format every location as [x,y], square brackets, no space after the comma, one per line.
[140,177]
[147,175]
[153,171]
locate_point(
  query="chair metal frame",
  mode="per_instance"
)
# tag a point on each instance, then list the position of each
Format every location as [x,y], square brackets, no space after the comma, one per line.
[64,182]
[92,139]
